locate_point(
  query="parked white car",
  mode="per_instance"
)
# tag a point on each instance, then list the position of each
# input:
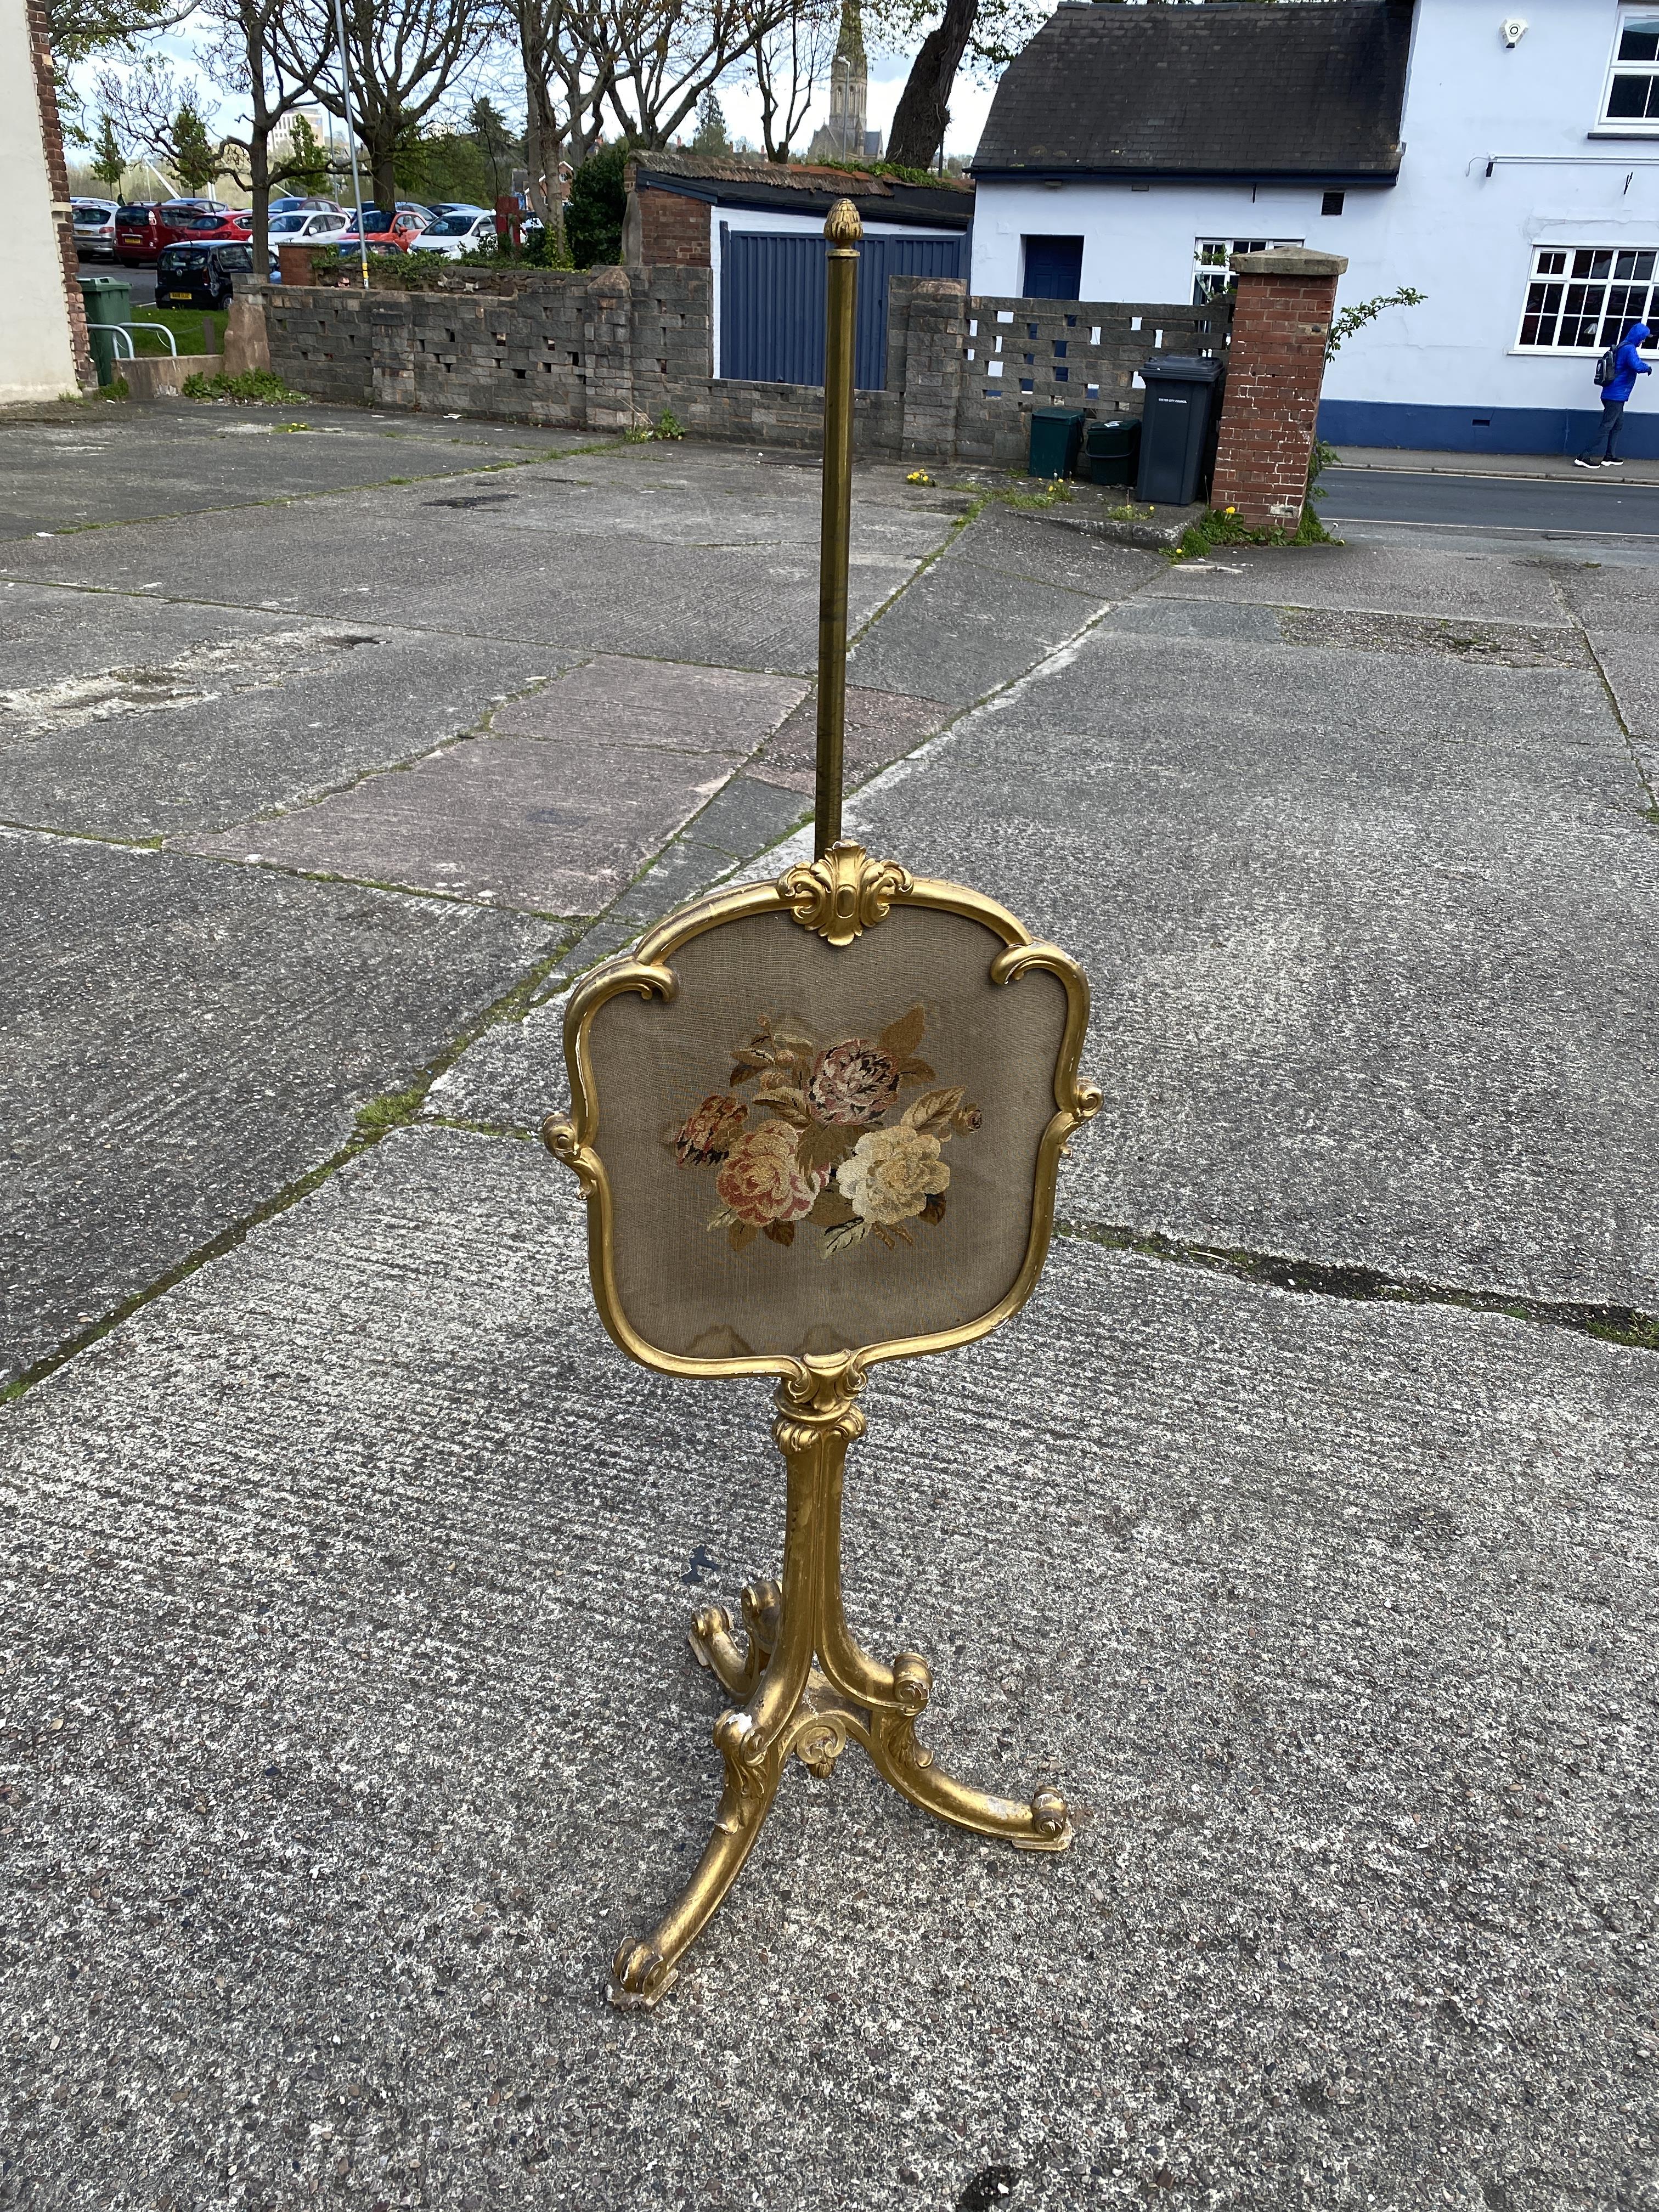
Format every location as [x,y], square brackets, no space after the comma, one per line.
[94,229]
[317,226]
[455,234]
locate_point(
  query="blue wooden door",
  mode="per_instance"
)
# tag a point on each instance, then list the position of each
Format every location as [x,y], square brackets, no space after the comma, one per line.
[772,302]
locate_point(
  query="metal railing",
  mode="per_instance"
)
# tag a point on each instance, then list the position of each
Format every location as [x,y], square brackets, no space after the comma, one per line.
[125,331]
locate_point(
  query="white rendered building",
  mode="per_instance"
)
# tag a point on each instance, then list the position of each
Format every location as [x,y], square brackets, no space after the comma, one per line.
[1506,167]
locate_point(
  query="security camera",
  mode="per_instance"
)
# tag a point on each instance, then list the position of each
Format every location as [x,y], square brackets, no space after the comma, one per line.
[1515,29]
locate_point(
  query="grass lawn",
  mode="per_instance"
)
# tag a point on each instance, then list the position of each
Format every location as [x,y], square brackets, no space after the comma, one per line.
[187,326]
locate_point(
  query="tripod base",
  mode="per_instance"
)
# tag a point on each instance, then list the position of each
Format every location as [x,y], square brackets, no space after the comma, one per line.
[808,1689]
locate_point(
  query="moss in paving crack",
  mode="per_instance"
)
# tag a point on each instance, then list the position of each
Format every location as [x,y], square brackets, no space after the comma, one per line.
[1612,1324]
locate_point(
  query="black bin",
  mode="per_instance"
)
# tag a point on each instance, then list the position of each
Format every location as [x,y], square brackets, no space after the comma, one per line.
[1176,429]
[1111,451]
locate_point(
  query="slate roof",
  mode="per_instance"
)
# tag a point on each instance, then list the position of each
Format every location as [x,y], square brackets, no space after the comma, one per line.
[1310,93]
[804,189]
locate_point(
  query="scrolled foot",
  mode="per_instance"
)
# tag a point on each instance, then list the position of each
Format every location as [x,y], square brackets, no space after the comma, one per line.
[712,1622]
[1051,1824]
[640,1978]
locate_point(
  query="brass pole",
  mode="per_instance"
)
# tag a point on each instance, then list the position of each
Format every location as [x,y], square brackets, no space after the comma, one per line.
[843,230]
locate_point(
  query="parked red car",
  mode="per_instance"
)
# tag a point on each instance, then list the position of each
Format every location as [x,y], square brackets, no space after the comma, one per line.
[142,230]
[137,233]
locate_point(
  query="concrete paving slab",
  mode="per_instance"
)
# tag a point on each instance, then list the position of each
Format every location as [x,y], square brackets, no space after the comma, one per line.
[127,464]
[881,726]
[1042,548]
[353,1727]
[183,1040]
[748,605]
[557,829]
[672,704]
[52,634]
[1371,939]
[224,732]
[960,630]
[1389,580]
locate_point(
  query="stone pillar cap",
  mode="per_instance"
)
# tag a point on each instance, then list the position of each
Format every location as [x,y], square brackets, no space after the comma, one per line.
[1289,261]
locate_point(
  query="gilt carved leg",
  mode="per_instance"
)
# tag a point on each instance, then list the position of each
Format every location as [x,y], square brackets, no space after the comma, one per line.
[808,1690]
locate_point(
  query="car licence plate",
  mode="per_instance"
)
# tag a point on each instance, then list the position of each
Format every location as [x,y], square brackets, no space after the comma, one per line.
[184,296]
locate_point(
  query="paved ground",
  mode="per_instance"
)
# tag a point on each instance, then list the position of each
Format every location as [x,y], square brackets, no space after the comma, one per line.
[1304,1530]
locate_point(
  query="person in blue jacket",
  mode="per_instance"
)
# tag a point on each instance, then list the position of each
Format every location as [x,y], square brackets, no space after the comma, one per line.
[1627,367]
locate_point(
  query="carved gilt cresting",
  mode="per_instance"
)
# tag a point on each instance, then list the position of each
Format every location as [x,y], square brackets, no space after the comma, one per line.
[804,1687]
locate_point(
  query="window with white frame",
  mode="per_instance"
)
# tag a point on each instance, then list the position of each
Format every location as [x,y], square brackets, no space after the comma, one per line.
[1583,299]
[1210,256]
[1632,98]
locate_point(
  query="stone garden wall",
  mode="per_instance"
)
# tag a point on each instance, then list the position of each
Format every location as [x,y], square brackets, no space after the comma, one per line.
[613,348]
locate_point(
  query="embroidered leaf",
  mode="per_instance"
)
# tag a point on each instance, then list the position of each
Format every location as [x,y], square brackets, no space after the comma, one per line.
[746,1065]
[795,1055]
[780,1232]
[830,1209]
[900,1038]
[934,1209]
[722,1218]
[845,1234]
[787,1103]
[825,1144]
[913,1070]
[932,1113]
[899,1229]
[740,1234]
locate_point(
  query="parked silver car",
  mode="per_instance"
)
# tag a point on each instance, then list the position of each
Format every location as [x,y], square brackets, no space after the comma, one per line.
[94,228]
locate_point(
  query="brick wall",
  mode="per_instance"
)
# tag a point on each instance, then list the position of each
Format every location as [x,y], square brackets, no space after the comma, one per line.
[52,134]
[1274,372]
[608,349]
[672,230]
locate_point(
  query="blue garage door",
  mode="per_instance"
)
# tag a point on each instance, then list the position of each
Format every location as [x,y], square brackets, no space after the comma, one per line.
[772,302]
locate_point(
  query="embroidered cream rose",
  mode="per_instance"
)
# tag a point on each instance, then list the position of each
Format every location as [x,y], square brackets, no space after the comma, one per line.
[763,1182]
[892,1174]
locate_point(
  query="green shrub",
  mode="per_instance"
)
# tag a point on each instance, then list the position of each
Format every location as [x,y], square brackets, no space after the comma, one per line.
[598,202]
[259,387]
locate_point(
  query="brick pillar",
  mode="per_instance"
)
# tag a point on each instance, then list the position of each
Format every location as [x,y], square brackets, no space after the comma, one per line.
[1275,368]
[51,139]
[936,333]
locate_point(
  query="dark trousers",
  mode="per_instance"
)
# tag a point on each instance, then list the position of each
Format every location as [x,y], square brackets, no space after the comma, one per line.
[1602,446]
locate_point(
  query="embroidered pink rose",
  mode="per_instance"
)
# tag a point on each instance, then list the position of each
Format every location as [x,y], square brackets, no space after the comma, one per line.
[855,1082]
[763,1182]
[709,1134]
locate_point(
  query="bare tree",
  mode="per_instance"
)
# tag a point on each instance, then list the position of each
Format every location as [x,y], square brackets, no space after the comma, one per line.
[670,52]
[245,49]
[788,60]
[401,61]
[569,65]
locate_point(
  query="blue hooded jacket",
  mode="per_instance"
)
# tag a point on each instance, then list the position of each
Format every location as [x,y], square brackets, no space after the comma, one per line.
[1630,365]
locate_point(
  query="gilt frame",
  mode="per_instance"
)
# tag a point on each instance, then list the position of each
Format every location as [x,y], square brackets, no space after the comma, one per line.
[838,896]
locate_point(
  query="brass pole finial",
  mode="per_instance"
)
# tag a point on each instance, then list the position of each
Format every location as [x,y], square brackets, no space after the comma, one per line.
[842,230]
[842,227]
